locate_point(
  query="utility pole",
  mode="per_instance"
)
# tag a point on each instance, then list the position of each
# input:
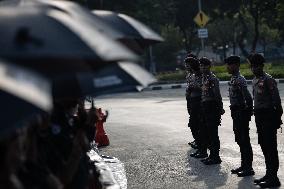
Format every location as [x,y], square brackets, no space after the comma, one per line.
[152,62]
[202,40]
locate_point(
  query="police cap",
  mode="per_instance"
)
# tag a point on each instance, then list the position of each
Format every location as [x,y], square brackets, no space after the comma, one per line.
[192,62]
[256,59]
[189,59]
[191,55]
[233,59]
[204,61]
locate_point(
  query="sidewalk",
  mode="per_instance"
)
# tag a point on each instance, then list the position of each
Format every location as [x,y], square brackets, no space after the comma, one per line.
[183,85]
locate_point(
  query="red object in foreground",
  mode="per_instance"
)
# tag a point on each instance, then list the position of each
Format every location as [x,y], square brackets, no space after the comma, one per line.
[101,137]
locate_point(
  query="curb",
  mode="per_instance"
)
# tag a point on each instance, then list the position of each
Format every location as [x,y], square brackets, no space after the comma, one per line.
[105,177]
[183,85]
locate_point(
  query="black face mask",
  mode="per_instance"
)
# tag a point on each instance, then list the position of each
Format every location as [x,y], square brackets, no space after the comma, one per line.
[205,69]
[195,68]
[257,70]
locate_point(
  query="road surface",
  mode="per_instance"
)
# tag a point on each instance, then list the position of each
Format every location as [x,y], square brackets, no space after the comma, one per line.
[148,132]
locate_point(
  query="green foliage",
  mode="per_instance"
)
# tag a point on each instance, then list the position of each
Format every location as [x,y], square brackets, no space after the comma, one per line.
[276,69]
[172,76]
[219,69]
[280,18]
[231,23]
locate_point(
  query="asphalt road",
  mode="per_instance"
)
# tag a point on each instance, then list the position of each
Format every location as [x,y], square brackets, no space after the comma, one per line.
[148,132]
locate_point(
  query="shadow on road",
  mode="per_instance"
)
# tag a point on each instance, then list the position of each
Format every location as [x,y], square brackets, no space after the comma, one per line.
[212,175]
[246,182]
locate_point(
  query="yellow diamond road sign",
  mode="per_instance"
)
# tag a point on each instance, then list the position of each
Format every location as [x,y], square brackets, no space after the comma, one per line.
[201,19]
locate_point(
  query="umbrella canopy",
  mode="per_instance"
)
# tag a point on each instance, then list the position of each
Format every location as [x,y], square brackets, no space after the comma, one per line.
[22,94]
[133,30]
[52,41]
[81,14]
[127,30]
[130,32]
[113,78]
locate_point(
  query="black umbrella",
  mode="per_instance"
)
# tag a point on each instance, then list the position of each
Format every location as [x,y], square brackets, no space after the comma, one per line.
[81,14]
[22,94]
[127,30]
[50,40]
[113,78]
[134,31]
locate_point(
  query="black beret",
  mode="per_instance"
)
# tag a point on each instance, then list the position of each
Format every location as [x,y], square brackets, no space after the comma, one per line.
[233,59]
[204,61]
[191,55]
[191,61]
[256,59]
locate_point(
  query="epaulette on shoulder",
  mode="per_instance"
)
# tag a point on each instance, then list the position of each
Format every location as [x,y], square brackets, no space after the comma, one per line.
[268,76]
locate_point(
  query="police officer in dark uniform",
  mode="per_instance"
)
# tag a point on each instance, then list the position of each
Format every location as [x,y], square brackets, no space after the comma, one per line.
[268,112]
[189,73]
[212,109]
[194,92]
[241,112]
[70,145]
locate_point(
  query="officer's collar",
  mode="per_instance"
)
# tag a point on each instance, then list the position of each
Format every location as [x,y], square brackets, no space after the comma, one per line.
[207,74]
[198,73]
[261,76]
[236,74]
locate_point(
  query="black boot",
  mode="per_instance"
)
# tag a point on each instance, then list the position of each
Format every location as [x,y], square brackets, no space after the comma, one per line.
[201,154]
[235,171]
[270,182]
[213,160]
[194,145]
[194,154]
[262,179]
[246,172]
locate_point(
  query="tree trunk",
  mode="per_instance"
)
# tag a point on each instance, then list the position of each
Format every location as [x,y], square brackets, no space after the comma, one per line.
[186,40]
[264,46]
[224,51]
[255,15]
[243,34]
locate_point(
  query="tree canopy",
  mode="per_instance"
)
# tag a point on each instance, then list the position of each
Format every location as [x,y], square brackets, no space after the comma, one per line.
[249,25]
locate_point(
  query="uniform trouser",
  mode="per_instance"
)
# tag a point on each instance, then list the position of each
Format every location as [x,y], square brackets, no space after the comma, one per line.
[203,136]
[241,130]
[194,118]
[211,123]
[267,138]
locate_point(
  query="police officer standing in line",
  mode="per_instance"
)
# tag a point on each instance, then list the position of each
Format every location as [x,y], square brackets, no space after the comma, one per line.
[212,109]
[268,112]
[194,107]
[189,73]
[241,112]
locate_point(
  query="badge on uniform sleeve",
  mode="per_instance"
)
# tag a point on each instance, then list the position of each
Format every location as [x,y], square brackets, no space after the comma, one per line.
[261,84]
[55,129]
[71,122]
[272,85]
[260,87]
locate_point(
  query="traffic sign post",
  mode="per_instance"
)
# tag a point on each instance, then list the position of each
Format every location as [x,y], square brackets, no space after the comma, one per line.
[203,33]
[201,19]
